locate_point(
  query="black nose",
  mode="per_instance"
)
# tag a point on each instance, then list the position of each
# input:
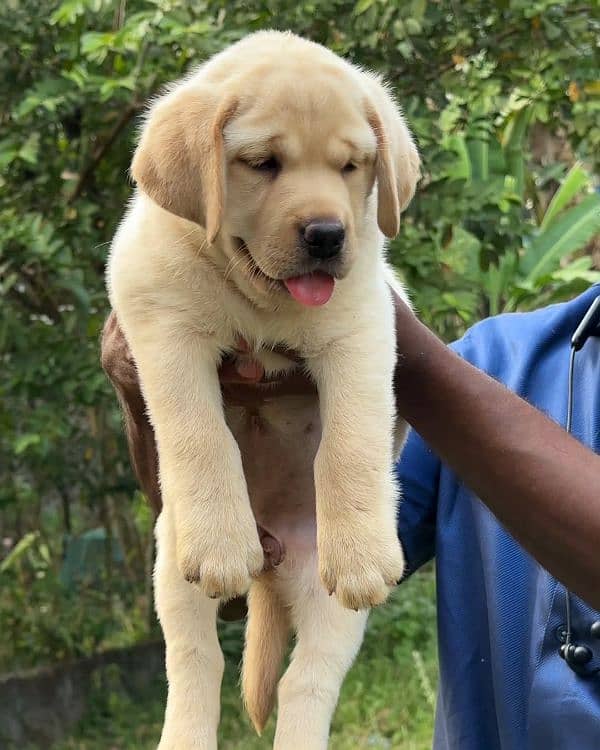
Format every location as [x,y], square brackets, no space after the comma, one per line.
[324,239]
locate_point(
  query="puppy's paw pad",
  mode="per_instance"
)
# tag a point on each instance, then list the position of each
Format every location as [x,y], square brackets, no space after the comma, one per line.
[223,572]
[224,580]
[361,574]
[363,591]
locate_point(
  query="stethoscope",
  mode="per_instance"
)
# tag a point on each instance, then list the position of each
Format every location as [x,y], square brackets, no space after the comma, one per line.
[577,655]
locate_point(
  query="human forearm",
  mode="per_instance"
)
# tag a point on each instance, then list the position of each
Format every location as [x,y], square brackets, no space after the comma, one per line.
[540,483]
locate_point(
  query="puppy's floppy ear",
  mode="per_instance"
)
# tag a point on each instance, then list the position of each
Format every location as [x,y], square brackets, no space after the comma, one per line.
[397,163]
[180,160]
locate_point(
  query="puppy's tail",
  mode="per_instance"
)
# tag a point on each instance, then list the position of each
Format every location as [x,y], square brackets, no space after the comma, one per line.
[267,633]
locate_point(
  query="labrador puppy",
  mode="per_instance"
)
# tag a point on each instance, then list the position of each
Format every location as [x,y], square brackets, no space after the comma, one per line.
[266,182]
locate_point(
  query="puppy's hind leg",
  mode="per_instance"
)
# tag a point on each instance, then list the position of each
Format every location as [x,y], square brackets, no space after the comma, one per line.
[328,637]
[194,659]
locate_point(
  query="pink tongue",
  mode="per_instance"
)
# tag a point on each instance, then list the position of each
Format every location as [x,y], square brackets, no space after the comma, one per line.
[312,289]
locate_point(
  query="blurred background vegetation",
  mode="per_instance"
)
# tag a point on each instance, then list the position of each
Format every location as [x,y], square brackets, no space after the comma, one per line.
[504,99]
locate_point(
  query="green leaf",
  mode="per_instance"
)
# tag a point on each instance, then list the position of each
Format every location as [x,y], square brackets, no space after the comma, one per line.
[479,157]
[498,279]
[7,282]
[565,235]
[513,143]
[77,289]
[9,151]
[18,550]
[579,268]
[362,6]
[574,182]
[461,167]
[29,150]
[417,9]
[111,85]
[23,442]
[96,45]
[68,12]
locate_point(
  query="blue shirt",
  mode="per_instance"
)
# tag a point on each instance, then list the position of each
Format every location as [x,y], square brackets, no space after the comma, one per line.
[503,683]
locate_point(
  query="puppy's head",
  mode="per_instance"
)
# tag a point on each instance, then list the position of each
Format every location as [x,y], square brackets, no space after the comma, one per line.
[274,147]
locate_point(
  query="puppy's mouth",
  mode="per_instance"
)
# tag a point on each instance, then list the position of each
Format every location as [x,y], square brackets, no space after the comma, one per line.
[312,289]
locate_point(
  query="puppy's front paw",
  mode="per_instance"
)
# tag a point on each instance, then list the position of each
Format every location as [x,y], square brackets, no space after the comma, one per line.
[360,566]
[221,562]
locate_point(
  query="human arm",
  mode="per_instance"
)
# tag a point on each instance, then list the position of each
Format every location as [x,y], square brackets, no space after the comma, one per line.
[540,483]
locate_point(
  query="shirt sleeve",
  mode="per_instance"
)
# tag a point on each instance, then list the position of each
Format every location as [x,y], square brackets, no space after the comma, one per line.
[418,471]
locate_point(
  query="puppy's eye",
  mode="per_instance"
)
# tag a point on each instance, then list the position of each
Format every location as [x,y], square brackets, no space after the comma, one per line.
[269,166]
[349,167]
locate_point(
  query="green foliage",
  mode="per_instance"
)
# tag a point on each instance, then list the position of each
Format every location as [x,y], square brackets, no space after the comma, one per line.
[545,267]
[44,620]
[493,246]
[504,99]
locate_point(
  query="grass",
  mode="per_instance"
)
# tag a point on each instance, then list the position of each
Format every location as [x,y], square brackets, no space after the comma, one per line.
[387,700]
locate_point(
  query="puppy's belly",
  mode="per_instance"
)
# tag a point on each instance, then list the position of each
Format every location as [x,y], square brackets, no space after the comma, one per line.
[278,442]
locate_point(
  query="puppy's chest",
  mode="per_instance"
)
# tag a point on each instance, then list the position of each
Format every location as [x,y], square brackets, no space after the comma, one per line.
[306,331]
